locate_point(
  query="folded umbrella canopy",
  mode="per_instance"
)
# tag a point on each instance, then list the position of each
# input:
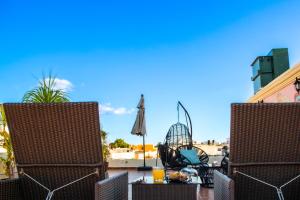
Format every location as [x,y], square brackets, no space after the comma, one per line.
[139,127]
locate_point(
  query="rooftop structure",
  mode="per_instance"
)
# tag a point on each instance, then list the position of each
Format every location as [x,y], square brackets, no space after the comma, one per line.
[281,89]
[267,68]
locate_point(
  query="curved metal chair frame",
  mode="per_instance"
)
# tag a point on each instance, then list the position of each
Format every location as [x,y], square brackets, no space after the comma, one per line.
[172,159]
[179,137]
[203,157]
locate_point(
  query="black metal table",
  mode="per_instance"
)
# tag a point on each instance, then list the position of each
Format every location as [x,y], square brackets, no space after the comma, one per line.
[147,189]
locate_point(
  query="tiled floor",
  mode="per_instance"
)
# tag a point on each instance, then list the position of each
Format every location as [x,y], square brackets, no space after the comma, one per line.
[204,194]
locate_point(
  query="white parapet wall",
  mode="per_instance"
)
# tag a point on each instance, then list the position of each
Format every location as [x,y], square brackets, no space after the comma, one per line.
[126,158]
[133,163]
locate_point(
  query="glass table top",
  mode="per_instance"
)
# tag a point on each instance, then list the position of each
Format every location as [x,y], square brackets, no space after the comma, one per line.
[149,180]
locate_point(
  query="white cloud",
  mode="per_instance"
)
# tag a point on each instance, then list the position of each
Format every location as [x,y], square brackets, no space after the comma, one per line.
[62,84]
[108,109]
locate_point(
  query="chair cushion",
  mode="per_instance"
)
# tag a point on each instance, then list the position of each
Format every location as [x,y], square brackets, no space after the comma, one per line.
[190,156]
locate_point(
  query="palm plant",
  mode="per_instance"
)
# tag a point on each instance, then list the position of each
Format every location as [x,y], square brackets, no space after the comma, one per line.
[46,93]
[9,160]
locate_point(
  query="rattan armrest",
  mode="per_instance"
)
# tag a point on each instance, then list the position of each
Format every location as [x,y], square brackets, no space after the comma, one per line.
[10,189]
[223,187]
[113,188]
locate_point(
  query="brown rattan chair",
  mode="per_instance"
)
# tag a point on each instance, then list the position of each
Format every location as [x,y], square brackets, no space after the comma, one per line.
[58,152]
[264,149]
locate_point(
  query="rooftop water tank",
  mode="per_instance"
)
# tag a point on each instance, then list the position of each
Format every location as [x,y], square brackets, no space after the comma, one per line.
[266,68]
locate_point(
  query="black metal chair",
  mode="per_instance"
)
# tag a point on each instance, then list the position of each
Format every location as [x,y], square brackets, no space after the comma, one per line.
[179,137]
[203,157]
[206,172]
[225,163]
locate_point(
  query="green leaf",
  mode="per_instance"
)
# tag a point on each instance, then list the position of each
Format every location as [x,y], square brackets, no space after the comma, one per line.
[46,92]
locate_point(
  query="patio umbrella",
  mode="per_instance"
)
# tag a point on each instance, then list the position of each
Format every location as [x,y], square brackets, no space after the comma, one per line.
[139,128]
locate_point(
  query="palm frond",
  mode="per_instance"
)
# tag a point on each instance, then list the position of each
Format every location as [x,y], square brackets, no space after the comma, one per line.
[46,92]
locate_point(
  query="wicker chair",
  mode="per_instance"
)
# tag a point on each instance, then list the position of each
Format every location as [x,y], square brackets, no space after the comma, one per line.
[264,149]
[58,153]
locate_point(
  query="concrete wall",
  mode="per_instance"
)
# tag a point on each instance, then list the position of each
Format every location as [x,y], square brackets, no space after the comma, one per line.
[287,94]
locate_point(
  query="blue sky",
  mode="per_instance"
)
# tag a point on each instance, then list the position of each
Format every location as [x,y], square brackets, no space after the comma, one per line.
[198,52]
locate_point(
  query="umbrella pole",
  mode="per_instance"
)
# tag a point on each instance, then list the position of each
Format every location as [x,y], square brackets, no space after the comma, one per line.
[144,151]
[144,168]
